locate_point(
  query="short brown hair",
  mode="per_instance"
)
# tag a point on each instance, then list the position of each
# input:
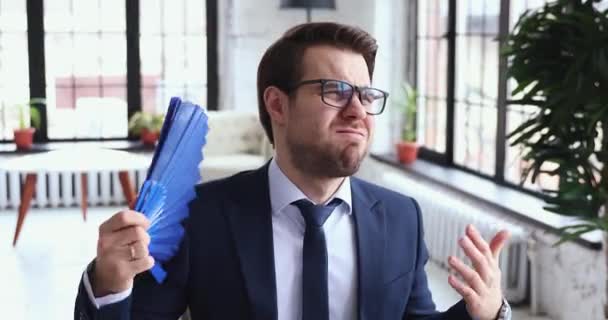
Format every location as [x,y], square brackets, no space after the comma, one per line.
[281,65]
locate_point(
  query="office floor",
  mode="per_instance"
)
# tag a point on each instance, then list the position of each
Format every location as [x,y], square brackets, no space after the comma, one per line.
[39,277]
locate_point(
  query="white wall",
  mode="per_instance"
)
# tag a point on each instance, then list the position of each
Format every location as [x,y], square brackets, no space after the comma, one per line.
[247,28]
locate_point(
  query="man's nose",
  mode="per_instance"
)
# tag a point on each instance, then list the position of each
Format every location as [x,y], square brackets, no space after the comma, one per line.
[355,109]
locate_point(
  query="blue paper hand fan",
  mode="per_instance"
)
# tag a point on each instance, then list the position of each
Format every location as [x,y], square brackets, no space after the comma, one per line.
[171,178]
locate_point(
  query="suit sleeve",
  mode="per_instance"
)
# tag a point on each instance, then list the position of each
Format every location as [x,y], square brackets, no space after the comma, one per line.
[420,305]
[148,300]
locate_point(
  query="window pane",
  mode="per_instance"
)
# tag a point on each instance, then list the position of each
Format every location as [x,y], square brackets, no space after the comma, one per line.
[85,45]
[478,17]
[432,68]
[149,17]
[468,68]
[474,142]
[57,17]
[195,17]
[476,69]
[514,165]
[14,70]
[431,123]
[432,18]
[112,15]
[476,85]
[516,115]
[13,17]
[432,74]
[173,53]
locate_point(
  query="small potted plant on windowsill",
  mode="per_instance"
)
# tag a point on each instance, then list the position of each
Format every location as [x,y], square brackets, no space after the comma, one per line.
[24,134]
[407,148]
[147,126]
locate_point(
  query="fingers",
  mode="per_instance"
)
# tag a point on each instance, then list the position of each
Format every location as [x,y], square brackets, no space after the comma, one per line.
[482,255]
[135,251]
[469,275]
[122,251]
[480,244]
[468,294]
[481,262]
[498,242]
[480,285]
[123,219]
[143,264]
[125,236]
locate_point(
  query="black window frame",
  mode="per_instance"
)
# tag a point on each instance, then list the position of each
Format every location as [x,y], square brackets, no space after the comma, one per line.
[446,159]
[37,71]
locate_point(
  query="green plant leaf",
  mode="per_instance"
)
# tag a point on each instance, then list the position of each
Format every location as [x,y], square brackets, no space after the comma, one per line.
[35,118]
[573,233]
[408,104]
[144,120]
[558,55]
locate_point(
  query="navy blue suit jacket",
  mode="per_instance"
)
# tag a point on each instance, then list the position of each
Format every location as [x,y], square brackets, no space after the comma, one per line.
[225,267]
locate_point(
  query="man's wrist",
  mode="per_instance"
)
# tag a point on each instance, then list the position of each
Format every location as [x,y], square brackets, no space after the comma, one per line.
[97,291]
[504,313]
[91,274]
[100,301]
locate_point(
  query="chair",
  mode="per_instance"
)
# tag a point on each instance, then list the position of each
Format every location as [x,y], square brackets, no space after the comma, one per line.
[236,142]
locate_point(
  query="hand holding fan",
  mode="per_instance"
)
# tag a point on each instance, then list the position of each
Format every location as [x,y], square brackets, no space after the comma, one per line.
[171,178]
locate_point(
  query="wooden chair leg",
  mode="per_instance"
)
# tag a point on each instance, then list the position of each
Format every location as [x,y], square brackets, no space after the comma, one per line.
[26,198]
[127,188]
[84,193]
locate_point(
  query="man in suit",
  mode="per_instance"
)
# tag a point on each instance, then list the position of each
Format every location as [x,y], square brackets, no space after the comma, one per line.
[299,238]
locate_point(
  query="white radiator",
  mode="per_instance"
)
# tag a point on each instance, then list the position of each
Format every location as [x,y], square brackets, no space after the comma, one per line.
[64,189]
[445,219]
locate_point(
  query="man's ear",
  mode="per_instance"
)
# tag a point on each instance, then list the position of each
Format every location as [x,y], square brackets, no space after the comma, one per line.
[276,102]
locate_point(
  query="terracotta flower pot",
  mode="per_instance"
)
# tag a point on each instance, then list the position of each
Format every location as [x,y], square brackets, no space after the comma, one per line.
[407,152]
[149,137]
[24,138]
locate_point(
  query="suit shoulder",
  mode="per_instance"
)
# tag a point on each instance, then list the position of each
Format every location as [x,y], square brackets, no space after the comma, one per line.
[383,193]
[220,186]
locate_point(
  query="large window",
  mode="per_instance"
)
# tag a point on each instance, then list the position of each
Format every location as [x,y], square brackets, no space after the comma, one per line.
[86,68]
[476,84]
[98,61]
[432,72]
[173,52]
[14,71]
[464,116]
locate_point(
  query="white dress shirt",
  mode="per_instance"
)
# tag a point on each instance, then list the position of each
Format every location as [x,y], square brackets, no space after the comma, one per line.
[288,228]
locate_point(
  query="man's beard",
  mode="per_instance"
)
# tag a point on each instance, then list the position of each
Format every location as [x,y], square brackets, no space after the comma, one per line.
[326,161]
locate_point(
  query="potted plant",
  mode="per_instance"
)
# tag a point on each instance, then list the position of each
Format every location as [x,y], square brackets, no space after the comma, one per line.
[147,126]
[24,134]
[407,148]
[559,59]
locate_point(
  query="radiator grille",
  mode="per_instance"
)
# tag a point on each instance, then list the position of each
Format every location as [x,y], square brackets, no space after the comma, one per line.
[63,189]
[445,219]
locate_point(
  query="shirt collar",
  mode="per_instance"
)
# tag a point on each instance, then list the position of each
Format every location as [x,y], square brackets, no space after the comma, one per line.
[283,192]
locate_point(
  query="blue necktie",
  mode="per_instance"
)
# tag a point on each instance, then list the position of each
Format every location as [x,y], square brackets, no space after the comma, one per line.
[315,304]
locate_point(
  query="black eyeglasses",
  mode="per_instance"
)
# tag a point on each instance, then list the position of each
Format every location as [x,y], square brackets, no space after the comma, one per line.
[338,94]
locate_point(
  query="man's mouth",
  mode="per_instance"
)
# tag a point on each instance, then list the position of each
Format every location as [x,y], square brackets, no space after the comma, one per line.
[352,132]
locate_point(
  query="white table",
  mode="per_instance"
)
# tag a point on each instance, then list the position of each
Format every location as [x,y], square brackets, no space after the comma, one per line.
[78,160]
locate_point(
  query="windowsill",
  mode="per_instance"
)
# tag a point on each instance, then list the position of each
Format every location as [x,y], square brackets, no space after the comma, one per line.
[516,203]
[125,145]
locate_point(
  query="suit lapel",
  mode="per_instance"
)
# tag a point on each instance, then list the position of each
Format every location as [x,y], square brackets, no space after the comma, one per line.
[251,221]
[370,230]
